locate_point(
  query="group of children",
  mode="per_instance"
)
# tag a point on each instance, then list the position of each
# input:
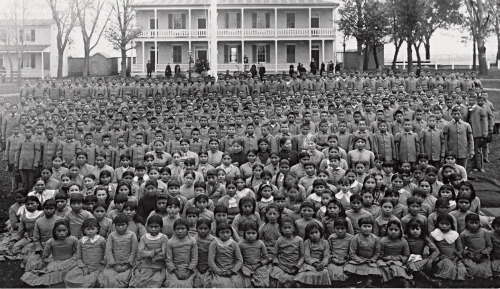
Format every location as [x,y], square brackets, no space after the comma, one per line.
[249,182]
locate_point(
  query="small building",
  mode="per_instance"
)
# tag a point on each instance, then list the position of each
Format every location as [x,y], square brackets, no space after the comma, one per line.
[101,64]
[39,47]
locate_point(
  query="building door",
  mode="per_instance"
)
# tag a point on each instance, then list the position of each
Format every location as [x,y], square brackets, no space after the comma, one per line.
[152,56]
[202,55]
[315,56]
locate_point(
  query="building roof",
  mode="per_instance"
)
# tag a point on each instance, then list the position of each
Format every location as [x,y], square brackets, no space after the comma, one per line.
[304,3]
[27,48]
[29,22]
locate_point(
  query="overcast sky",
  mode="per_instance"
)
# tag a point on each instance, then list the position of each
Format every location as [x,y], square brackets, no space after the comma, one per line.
[444,42]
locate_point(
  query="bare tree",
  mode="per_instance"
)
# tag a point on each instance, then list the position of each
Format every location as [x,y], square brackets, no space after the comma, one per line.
[480,18]
[122,30]
[64,15]
[14,31]
[90,14]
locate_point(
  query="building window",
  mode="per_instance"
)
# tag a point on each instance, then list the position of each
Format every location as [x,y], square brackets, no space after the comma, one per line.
[315,20]
[261,20]
[202,23]
[152,24]
[261,53]
[290,53]
[177,21]
[177,54]
[233,55]
[290,20]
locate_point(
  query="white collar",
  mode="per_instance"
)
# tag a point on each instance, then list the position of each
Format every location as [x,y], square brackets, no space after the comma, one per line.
[268,200]
[354,184]
[153,238]
[341,195]
[226,243]
[30,215]
[92,240]
[449,237]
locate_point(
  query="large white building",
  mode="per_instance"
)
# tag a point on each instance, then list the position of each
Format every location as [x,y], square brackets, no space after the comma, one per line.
[39,44]
[276,33]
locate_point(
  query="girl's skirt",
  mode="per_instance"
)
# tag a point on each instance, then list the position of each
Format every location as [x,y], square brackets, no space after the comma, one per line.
[53,273]
[310,276]
[478,270]
[201,280]
[447,269]
[32,262]
[392,269]
[337,272]
[257,278]
[109,278]
[363,269]
[80,278]
[281,276]
[216,281]
[495,267]
[171,280]
[147,277]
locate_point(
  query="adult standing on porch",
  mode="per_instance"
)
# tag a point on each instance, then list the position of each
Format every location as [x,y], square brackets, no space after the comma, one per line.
[168,71]
[149,68]
[313,66]
[3,73]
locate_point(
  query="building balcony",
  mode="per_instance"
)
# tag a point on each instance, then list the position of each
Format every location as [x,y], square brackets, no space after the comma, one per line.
[239,33]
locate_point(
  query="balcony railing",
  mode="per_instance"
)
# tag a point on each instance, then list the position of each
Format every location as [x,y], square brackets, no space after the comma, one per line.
[238,33]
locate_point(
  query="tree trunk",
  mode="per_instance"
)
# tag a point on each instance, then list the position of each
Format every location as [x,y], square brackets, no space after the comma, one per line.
[417,50]
[483,63]
[396,52]
[124,63]
[409,51]
[427,45]
[375,57]
[19,70]
[11,67]
[360,54]
[366,58]
[86,60]
[474,56]
[497,31]
[60,57]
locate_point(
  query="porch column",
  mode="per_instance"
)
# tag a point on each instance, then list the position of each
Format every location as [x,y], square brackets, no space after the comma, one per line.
[310,52]
[242,22]
[243,54]
[143,52]
[309,20]
[334,42]
[156,23]
[275,22]
[189,20]
[156,55]
[42,64]
[323,50]
[276,56]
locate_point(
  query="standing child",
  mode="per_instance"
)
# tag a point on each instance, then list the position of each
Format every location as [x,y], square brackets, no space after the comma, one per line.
[269,232]
[27,158]
[364,251]
[289,255]
[173,207]
[394,252]
[316,256]
[334,211]
[149,271]
[247,213]
[307,217]
[61,201]
[339,247]
[449,265]
[231,200]
[357,212]
[77,215]
[462,210]
[203,240]
[344,194]
[105,223]
[181,257]
[59,256]
[423,252]
[120,255]
[477,248]
[381,222]
[224,259]
[255,258]
[89,257]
